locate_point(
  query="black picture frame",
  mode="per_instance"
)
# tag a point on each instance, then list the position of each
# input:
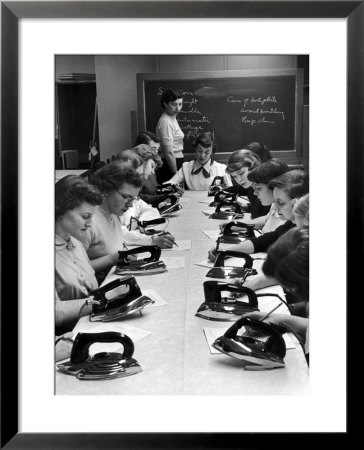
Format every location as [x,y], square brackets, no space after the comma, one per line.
[11,13]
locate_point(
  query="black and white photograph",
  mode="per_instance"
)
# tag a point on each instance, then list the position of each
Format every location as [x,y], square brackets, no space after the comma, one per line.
[166,281]
[182,224]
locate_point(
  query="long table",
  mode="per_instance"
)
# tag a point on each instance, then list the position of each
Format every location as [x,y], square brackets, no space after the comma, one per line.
[175,358]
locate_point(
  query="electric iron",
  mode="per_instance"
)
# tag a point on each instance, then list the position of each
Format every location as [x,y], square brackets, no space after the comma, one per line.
[261,345]
[167,204]
[228,211]
[221,271]
[228,236]
[118,299]
[228,308]
[168,188]
[223,196]
[143,266]
[216,185]
[144,224]
[102,365]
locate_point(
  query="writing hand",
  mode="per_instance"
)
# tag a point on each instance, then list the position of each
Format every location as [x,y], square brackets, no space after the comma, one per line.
[163,240]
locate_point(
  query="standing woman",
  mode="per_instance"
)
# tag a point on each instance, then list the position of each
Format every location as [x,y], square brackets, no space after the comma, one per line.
[170,135]
[76,202]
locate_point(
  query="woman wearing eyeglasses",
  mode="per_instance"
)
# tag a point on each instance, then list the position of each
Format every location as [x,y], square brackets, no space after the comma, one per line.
[199,173]
[119,185]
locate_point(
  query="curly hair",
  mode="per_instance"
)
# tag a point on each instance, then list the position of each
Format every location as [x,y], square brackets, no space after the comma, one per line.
[71,191]
[268,171]
[242,158]
[112,177]
[288,262]
[146,153]
[302,207]
[294,183]
[129,157]
[170,95]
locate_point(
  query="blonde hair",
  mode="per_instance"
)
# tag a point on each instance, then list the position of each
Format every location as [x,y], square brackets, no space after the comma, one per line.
[302,207]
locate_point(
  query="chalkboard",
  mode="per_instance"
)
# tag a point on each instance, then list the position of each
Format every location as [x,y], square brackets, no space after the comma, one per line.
[239,106]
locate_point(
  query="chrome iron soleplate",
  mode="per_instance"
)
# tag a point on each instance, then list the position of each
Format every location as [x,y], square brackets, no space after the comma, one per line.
[223,313]
[230,272]
[120,312]
[102,366]
[142,269]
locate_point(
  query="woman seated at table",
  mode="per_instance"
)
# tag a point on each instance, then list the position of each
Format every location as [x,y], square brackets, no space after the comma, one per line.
[199,173]
[288,263]
[145,160]
[239,165]
[286,189]
[148,192]
[119,185]
[260,177]
[76,203]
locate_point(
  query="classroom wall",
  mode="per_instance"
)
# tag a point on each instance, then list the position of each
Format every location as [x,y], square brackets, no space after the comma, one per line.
[117,91]
[74,64]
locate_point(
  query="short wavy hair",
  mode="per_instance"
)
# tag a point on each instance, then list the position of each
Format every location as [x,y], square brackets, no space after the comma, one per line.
[302,207]
[288,261]
[146,153]
[242,158]
[268,171]
[261,150]
[206,139]
[112,177]
[71,191]
[170,95]
[129,157]
[294,183]
[145,137]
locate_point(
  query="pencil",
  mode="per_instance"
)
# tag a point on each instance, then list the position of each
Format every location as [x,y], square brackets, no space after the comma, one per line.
[270,312]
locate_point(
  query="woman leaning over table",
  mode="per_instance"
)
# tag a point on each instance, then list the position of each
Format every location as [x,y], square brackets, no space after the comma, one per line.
[170,135]
[119,185]
[76,203]
[288,262]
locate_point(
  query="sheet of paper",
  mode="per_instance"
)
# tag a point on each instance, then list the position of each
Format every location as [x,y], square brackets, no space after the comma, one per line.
[174,262]
[211,334]
[208,212]
[204,263]
[183,245]
[212,234]
[159,301]
[184,200]
[85,326]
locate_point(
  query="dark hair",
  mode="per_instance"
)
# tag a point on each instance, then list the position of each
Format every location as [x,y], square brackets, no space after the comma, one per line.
[206,139]
[267,171]
[288,261]
[130,157]
[294,183]
[260,150]
[242,158]
[170,95]
[144,137]
[71,191]
[146,153]
[112,177]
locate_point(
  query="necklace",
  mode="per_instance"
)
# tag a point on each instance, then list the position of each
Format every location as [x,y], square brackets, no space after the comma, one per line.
[106,213]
